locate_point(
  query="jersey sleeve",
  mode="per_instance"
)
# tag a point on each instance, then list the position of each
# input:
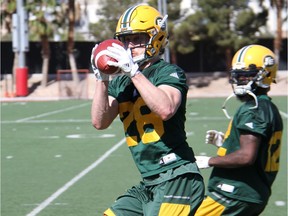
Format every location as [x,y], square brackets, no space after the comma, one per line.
[174,76]
[252,121]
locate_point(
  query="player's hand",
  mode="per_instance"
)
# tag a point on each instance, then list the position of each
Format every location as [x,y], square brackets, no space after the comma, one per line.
[98,74]
[202,162]
[214,137]
[124,60]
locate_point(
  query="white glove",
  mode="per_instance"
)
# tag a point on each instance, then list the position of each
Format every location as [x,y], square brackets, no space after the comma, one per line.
[202,162]
[214,137]
[124,59]
[98,74]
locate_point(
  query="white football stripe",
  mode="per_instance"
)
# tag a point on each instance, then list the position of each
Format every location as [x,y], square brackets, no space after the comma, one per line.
[100,54]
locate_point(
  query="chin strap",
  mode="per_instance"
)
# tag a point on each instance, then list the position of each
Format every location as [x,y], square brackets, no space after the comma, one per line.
[224,105]
[240,91]
[255,99]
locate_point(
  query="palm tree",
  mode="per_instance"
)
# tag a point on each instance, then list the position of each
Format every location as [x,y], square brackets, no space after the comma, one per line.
[40,28]
[279,6]
[70,41]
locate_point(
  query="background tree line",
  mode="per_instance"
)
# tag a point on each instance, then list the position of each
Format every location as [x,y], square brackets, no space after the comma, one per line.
[224,25]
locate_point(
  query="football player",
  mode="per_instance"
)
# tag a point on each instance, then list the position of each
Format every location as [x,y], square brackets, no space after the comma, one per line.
[150,99]
[248,153]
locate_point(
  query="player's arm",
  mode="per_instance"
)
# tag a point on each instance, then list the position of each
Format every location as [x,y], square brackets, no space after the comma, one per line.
[104,108]
[163,100]
[245,156]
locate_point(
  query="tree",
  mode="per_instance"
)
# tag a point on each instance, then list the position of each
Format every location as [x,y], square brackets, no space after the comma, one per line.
[46,19]
[8,7]
[226,24]
[39,28]
[109,13]
[70,41]
[51,16]
[174,16]
[279,5]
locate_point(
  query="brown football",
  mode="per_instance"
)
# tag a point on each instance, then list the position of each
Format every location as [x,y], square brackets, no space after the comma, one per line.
[100,58]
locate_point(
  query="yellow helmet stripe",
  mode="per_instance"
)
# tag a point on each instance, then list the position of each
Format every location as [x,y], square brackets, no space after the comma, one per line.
[241,54]
[127,16]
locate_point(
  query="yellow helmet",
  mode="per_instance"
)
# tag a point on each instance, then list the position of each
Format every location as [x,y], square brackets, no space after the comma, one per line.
[253,66]
[254,61]
[143,18]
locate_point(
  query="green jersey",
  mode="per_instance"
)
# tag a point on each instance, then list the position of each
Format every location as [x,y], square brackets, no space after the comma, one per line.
[251,183]
[156,145]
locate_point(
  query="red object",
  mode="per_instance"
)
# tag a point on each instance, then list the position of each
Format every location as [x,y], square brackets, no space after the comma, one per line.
[21,81]
[100,58]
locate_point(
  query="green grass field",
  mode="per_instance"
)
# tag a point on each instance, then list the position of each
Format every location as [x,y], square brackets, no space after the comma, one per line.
[54,163]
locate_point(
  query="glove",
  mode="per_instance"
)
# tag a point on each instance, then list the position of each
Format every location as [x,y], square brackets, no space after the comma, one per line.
[214,137]
[202,162]
[98,74]
[124,60]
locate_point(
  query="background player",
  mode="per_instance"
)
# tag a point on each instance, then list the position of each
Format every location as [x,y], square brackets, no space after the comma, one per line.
[248,159]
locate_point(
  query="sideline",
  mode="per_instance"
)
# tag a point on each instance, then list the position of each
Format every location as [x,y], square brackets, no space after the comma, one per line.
[61,190]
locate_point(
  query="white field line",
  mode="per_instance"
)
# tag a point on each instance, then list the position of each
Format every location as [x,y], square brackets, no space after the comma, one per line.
[51,113]
[61,190]
[47,121]
[28,121]
[88,120]
[285,115]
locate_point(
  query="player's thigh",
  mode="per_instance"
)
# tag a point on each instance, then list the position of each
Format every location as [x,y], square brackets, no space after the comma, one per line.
[239,208]
[130,204]
[217,205]
[125,206]
[210,207]
[180,196]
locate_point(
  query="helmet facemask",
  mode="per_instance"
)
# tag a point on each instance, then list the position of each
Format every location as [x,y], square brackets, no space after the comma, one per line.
[245,83]
[248,80]
[244,80]
[138,39]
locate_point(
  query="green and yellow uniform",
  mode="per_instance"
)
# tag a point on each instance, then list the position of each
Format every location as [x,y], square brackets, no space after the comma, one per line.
[159,149]
[244,190]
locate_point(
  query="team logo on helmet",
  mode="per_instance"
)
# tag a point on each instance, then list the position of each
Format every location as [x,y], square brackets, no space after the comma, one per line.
[159,22]
[269,61]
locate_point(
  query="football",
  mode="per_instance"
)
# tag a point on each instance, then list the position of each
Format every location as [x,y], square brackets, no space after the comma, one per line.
[100,58]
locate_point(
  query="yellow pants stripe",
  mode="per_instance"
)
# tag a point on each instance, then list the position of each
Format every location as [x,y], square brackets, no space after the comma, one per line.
[210,207]
[170,209]
[109,212]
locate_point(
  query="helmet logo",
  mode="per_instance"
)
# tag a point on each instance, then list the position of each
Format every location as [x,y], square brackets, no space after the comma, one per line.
[160,23]
[269,61]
